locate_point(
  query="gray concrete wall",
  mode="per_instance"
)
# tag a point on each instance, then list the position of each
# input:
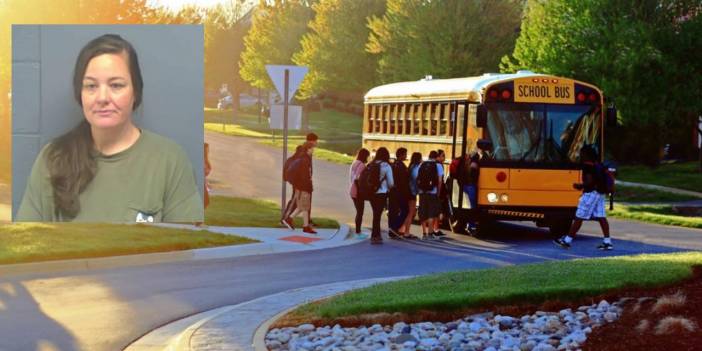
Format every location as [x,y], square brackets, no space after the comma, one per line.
[43,57]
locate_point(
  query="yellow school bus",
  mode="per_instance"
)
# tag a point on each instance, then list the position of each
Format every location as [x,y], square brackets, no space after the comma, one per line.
[536,123]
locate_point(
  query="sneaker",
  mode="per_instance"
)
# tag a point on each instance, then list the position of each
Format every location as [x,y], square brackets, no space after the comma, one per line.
[287,222]
[560,242]
[425,237]
[605,246]
[308,230]
[472,230]
[393,234]
[439,233]
[410,236]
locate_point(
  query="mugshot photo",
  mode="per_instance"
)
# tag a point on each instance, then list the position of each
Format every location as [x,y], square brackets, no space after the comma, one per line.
[107,123]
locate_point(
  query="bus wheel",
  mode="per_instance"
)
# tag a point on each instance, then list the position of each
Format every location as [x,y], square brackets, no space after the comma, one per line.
[559,228]
[458,225]
[484,227]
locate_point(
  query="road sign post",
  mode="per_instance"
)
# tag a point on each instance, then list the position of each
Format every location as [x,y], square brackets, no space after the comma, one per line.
[286,79]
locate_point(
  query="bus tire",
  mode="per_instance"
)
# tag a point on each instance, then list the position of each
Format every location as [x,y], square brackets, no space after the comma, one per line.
[484,227]
[458,225]
[559,228]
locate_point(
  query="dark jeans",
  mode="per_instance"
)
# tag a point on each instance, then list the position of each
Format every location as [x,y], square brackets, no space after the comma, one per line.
[360,206]
[377,204]
[398,208]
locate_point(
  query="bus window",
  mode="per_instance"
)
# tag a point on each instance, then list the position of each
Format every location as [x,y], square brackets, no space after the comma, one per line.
[516,132]
[415,113]
[569,128]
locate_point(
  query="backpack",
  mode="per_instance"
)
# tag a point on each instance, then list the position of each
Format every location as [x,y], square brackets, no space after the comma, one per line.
[369,181]
[427,176]
[291,167]
[605,180]
[455,168]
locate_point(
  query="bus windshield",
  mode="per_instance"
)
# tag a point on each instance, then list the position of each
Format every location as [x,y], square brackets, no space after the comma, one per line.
[541,133]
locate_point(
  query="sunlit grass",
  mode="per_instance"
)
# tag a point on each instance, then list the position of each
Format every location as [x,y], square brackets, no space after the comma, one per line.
[240,212]
[677,175]
[535,283]
[638,194]
[31,242]
[660,214]
[338,131]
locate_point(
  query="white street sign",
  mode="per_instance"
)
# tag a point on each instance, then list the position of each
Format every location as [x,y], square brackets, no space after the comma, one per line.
[277,75]
[294,116]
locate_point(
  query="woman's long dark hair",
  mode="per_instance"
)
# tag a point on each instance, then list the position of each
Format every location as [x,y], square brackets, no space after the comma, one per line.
[382,155]
[416,159]
[362,155]
[71,157]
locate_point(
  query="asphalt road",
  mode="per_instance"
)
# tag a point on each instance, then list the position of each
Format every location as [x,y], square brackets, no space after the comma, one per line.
[108,309]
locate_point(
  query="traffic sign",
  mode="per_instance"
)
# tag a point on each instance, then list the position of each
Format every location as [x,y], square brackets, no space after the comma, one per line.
[277,117]
[277,75]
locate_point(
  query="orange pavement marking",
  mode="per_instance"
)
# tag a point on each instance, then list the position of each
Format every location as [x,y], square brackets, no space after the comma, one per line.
[300,239]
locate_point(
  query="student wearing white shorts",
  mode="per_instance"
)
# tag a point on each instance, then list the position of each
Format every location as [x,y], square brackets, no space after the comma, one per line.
[592,203]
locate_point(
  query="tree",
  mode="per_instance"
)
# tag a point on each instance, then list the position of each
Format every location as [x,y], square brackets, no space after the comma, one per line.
[334,48]
[225,27]
[273,38]
[644,54]
[442,38]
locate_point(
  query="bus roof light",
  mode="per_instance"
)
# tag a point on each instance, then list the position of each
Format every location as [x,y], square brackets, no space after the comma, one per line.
[492,94]
[581,97]
[592,97]
[506,94]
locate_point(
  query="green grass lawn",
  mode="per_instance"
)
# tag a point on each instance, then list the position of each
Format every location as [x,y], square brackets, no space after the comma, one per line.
[535,283]
[239,212]
[638,194]
[677,175]
[31,242]
[660,214]
[339,133]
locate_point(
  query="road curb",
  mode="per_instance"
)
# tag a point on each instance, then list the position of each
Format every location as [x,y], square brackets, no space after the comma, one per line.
[90,264]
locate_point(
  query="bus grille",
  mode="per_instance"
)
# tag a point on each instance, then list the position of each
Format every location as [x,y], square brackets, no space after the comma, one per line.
[516,213]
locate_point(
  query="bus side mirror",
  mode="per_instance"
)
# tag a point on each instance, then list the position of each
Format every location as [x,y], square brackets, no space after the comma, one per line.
[611,116]
[481,116]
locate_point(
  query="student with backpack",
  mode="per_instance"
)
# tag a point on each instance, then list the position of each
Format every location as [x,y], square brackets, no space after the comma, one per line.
[428,180]
[374,183]
[415,161]
[301,178]
[289,169]
[357,167]
[591,203]
[398,196]
[468,178]
[442,194]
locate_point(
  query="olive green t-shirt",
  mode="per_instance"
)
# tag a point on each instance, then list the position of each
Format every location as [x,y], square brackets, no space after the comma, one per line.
[151,181]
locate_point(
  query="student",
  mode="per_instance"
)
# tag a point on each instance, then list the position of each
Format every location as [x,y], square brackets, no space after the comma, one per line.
[591,204]
[379,199]
[357,167]
[442,193]
[430,172]
[107,169]
[398,196]
[415,161]
[302,182]
[286,219]
[469,179]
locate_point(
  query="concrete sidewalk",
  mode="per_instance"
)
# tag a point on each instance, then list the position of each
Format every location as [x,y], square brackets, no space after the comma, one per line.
[238,327]
[272,240]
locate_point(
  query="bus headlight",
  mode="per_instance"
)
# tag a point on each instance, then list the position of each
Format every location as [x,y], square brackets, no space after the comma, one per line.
[492,197]
[504,198]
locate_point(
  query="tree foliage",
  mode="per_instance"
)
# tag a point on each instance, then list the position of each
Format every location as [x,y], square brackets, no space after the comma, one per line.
[334,47]
[273,38]
[644,54]
[443,38]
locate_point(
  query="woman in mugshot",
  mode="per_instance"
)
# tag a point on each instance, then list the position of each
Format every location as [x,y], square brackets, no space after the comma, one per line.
[107,169]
